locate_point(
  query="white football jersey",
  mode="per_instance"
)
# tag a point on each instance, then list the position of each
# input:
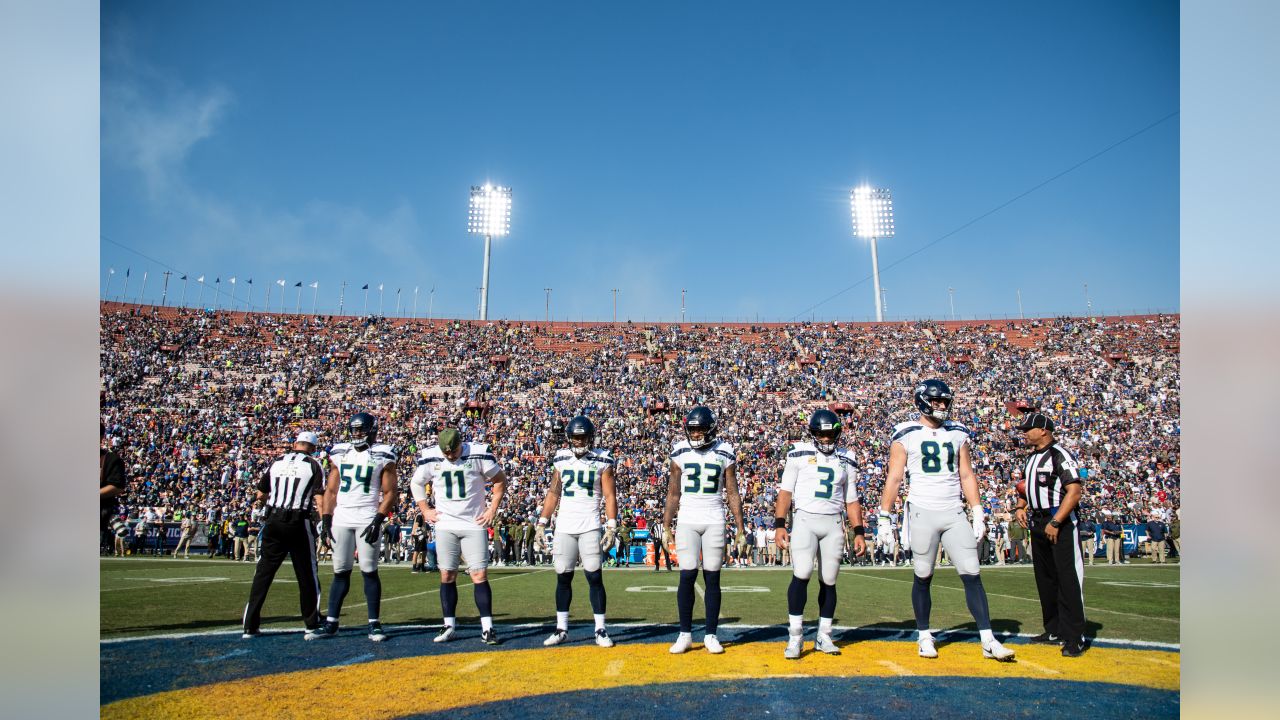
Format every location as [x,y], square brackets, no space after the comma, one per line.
[933,463]
[458,488]
[359,482]
[702,481]
[581,488]
[820,483]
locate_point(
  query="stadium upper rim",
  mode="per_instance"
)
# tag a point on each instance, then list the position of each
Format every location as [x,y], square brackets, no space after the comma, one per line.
[106,306]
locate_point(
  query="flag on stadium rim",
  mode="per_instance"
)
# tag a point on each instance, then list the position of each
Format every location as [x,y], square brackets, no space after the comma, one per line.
[184,277]
[366,287]
[280,282]
[315,284]
[379,287]
[232,280]
[200,279]
[126,272]
[298,284]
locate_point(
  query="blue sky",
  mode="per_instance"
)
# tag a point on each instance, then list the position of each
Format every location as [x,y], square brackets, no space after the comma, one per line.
[650,147]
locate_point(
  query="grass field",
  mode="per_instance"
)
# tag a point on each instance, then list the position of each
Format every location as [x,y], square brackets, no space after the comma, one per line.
[145,596]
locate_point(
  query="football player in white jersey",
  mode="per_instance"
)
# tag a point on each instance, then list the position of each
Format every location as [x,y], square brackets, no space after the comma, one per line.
[458,472]
[701,467]
[933,454]
[581,482]
[358,496]
[821,480]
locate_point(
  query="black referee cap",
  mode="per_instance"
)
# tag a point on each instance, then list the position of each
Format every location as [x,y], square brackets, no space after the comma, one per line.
[1036,420]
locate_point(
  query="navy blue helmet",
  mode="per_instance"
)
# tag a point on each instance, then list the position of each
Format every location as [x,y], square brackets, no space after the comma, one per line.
[362,430]
[825,429]
[930,390]
[581,428]
[700,418]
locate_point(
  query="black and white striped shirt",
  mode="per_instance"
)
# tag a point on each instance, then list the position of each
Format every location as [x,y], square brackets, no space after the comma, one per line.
[292,482]
[1048,472]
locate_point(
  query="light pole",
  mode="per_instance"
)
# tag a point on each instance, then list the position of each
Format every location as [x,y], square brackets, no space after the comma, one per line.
[315,293]
[1020,316]
[200,298]
[342,297]
[872,220]
[183,301]
[547,310]
[431,300]
[884,304]
[164,294]
[951,298]
[144,286]
[106,293]
[490,216]
[682,306]
[1088,305]
[615,306]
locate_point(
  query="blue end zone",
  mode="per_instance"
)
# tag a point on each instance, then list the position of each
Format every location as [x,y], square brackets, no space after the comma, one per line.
[880,698]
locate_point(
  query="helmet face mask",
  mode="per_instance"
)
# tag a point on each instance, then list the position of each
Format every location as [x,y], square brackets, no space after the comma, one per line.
[581,433]
[825,429]
[929,392]
[362,430]
[700,428]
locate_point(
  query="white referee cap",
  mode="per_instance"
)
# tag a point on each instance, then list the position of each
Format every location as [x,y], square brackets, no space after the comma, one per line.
[307,436]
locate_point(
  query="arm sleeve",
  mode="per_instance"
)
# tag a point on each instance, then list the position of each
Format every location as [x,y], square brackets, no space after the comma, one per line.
[264,482]
[790,473]
[418,484]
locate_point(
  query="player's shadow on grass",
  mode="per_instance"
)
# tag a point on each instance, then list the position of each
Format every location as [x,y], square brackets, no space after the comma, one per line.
[204,624]
[967,632]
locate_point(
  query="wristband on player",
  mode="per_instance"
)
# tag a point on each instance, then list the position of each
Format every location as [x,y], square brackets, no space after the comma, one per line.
[611,523]
[779,523]
[883,514]
[542,521]
[859,530]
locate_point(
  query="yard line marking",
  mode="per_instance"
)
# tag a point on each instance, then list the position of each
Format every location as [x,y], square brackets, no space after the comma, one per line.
[1037,601]
[1041,668]
[1158,661]
[224,656]
[896,668]
[354,660]
[614,669]
[473,666]
[731,676]
[701,593]
[437,590]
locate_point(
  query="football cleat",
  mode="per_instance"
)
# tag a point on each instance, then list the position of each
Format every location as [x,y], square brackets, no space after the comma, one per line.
[1075,649]
[824,644]
[795,643]
[375,632]
[556,638]
[1047,638]
[445,634]
[251,635]
[926,648]
[683,642]
[712,644]
[603,639]
[996,651]
[327,630]
[489,637]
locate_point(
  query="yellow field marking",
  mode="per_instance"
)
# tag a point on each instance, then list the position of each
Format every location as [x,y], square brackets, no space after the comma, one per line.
[1041,668]
[614,668]
[474,666]
[896,669]
[1159,661]
[360,691]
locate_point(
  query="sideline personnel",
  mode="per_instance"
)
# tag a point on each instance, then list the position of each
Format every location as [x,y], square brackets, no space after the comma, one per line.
[290,487]
[1053,487]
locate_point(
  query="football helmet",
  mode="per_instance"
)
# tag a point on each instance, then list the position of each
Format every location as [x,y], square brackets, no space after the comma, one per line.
[930,390]
[825,429]
[362,430]
[581,428]
[701,418]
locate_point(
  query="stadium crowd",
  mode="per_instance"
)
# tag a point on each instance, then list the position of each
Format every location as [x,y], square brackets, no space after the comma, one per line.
[197,403]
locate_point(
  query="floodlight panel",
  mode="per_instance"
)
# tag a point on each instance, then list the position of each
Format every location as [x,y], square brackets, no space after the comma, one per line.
[490,212]
[872,210]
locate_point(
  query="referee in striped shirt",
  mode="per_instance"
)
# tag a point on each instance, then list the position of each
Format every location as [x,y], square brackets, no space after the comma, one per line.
[1053,489]
[291,487]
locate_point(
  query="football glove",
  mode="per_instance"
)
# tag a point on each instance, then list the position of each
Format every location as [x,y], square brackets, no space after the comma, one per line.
[326,527]
[540,535]
[373,531]
[610,534]
[979,522]
[884,528]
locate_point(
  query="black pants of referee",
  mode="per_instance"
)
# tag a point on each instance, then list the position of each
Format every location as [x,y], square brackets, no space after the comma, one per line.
[1059,571]
[297,540]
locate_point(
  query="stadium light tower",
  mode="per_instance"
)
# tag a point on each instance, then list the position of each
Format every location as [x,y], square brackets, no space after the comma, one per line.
[490,216]
[873,219]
